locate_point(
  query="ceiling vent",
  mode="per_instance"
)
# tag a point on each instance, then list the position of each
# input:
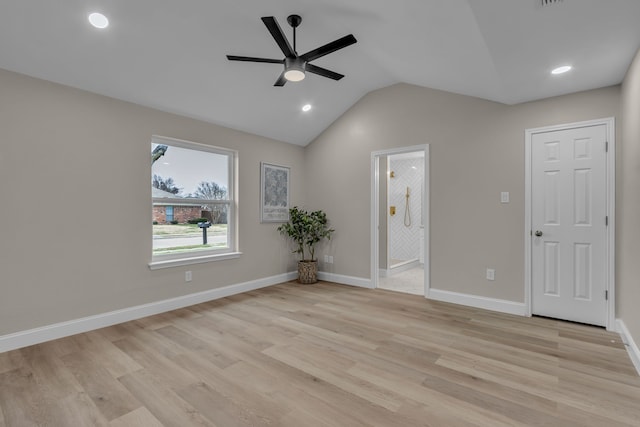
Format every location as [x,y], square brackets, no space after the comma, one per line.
[545,3]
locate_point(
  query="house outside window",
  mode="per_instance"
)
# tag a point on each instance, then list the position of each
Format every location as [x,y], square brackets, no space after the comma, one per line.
[193,193]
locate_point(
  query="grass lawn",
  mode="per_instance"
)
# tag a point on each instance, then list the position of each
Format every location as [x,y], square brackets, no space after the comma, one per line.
[182,248]
[187,229]
[176,238]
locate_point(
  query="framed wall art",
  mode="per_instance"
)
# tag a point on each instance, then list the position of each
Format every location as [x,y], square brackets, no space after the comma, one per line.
[274,193]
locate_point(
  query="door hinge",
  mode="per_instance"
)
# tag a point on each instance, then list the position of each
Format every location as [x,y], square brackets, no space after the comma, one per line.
[606,221]
[606,146]
[606,295]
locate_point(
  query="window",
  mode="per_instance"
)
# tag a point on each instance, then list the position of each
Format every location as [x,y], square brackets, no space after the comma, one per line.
[193,200]
[169,213]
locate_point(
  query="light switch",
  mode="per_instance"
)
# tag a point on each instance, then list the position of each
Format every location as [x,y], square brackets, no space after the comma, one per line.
[504,197]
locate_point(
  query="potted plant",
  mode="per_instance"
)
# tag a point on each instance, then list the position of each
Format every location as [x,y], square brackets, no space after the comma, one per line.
[306,229]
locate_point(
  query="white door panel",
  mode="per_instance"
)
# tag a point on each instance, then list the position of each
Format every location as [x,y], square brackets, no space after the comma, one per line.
[569,258]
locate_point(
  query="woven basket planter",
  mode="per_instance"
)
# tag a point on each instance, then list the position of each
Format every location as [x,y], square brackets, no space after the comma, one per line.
[307,272]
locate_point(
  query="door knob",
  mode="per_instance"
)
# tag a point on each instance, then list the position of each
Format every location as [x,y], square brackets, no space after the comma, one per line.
[538,233]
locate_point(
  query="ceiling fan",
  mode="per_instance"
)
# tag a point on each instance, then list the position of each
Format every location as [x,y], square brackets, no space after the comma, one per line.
[296,65]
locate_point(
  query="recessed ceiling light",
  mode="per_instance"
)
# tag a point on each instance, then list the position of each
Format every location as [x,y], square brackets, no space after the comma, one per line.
[561,70]
[98,20]
[306,107]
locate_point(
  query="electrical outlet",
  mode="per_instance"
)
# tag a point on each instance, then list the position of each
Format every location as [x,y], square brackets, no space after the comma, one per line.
[491,274]
[188,276]
[504,197]
[330,259]
[326,259]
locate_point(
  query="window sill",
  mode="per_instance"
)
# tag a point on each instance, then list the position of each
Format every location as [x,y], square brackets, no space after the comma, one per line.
[157,265]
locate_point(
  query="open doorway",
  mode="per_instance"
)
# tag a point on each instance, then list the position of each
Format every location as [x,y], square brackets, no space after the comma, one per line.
[399,211]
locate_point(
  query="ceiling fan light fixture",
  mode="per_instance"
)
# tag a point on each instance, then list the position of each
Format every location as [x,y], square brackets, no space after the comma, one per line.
[294,75]
[294,69]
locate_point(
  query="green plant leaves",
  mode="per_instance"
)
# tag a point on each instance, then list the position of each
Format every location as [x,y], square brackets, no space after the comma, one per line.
[306,229]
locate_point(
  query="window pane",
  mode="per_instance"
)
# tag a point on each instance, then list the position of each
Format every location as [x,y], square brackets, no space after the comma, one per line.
[187,173]
[216,213]
[181,238]
[193,210]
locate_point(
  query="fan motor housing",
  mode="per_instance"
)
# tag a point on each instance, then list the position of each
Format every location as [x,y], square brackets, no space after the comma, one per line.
[295,63]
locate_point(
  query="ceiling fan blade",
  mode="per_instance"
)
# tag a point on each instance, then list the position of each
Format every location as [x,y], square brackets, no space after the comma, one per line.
[278,35]
[281,80]
[323,72]
[252,59]
[329,47]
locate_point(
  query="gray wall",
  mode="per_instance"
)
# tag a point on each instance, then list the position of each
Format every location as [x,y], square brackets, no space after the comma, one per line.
[62,150]
[628,204]
[477,151]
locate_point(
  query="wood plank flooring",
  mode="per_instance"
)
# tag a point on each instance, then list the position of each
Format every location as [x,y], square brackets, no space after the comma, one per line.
[324,355]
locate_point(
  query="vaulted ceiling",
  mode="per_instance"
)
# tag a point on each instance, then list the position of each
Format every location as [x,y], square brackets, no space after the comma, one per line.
[170,54]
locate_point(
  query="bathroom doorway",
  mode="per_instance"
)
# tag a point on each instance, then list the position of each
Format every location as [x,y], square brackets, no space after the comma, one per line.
[400,219]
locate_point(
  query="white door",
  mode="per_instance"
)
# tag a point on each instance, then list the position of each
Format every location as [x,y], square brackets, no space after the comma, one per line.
[569,224]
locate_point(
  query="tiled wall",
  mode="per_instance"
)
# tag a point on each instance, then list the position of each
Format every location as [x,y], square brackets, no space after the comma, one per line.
[404,242]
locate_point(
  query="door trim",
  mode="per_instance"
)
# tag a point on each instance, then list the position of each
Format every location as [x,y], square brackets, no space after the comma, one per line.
[375,214]
[610,208]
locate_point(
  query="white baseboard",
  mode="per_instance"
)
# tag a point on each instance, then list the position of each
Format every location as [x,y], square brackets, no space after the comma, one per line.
[345,280]
[405,266]
[493,304]
[629,343]
[76,326]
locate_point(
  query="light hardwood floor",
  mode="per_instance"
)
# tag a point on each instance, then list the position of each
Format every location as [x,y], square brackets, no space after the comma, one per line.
[324,355]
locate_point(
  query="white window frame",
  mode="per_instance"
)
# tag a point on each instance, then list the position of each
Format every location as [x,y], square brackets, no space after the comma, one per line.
[202,256]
